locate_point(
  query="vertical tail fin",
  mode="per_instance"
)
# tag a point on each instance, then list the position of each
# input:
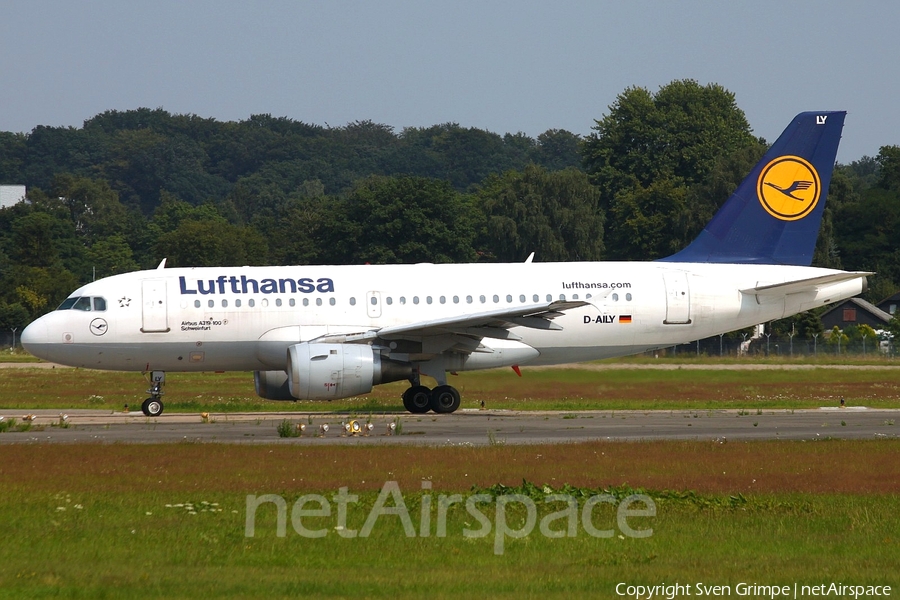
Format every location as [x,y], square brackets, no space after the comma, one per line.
[774,215]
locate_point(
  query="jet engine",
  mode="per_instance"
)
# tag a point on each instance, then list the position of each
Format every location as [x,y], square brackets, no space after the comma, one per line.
[329,371]
[272,385]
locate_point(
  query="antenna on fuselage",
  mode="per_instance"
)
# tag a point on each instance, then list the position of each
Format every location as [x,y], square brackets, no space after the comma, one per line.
[530,258]
[162,264]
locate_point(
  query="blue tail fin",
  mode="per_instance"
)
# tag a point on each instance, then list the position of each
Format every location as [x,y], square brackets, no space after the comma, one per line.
[774,215]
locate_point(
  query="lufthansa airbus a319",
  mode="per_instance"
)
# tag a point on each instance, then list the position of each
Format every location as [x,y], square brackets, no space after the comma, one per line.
[326,332]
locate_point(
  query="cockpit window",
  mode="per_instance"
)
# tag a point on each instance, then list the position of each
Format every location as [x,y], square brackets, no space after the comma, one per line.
[83,303]
[67,304]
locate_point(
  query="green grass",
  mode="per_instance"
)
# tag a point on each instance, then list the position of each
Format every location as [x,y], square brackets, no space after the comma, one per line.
[8,355]
[121,545]
[169,520]
[550,389]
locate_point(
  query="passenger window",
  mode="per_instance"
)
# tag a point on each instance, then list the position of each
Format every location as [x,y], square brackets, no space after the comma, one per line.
[237,303]
[264,302]
[389,300]
[428,299]
[305,302]
[83,303]
[522,298]
[251,302]
[352,301]
[496,298]
[508,298]
[628,297]
[319,302]
[468,299]
[562,297]
[402,299]
[373,301]
[292,302]
[574,296]
[455,299]
[196,304]
[332,301]
[211,303]
[224,303]
[277,302]
[549,298]
[615,297]
[415,299]
[483,299]
[536,298]
[99,304]
[443,299]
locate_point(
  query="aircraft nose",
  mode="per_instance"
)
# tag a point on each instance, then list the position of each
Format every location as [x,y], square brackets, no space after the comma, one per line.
[34,336]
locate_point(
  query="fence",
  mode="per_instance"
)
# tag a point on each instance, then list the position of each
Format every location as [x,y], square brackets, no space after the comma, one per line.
[777,346]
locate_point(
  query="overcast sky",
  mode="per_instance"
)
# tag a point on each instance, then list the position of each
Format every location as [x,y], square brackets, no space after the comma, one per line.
[500,66]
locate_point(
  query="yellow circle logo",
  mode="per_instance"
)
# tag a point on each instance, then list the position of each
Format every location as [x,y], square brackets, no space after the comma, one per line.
[789,188]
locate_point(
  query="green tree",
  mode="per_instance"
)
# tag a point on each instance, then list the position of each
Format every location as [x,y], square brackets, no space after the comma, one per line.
[93,206]
[556,215]
[111,256]
[213,243]
[837,339]
[557,149]
[893,330]
[648,222]
[867,231]
[651,149]
[13,315]
[405,220]
[889,168]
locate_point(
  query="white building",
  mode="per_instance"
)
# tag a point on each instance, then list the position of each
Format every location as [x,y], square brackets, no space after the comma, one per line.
[11,194]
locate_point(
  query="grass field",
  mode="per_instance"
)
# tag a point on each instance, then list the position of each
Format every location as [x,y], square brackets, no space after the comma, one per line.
[604,387]
[169,521]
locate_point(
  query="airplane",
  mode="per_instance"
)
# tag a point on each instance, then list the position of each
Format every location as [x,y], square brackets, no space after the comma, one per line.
[328,332]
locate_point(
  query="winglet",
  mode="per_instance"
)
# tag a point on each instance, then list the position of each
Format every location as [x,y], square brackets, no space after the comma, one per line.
[773,217]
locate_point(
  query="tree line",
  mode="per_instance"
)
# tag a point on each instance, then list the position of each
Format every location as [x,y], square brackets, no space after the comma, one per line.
[132,187]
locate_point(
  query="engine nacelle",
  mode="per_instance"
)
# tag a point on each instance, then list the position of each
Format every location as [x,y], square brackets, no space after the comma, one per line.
[272,385]
[330,371]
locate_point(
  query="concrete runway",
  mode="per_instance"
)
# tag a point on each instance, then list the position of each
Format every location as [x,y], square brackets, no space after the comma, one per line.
[465,427]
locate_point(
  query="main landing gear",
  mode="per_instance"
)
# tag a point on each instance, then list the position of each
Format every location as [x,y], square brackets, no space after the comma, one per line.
[443,399]
[153,406]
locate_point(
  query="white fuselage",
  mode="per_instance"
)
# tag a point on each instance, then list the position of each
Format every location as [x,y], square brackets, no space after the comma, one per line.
[245,318]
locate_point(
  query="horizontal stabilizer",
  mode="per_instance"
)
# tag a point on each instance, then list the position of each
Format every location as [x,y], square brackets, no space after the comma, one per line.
[803,285]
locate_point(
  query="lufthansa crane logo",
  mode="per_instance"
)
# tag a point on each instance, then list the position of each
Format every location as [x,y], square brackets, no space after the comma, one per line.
[789,188]
[99,326]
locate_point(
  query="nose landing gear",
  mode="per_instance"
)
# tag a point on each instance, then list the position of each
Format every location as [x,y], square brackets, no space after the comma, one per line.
[153,406]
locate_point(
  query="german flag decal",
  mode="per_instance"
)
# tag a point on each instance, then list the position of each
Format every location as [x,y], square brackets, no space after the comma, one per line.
[624,318]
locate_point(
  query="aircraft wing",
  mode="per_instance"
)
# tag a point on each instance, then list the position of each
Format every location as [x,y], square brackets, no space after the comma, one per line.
[489,324]
[803,285]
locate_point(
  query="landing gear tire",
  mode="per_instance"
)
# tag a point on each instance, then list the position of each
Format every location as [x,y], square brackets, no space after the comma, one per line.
[152,407]
[444,399]
[417,399]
